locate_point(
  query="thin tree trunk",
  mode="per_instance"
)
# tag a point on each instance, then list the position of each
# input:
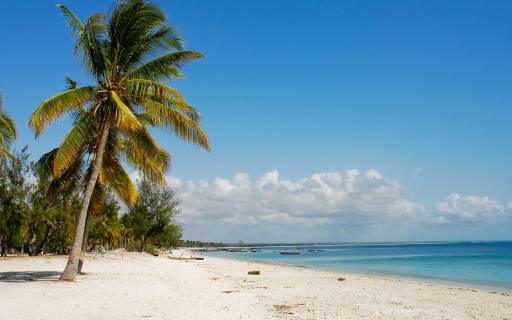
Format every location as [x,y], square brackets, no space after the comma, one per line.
[142,244]
[22,251]
[31,243]
[49,231]
[70,271]
[85,241]
[3,247]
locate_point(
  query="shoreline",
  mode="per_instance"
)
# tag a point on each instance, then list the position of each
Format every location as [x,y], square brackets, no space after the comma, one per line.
[452,283]
[130,285]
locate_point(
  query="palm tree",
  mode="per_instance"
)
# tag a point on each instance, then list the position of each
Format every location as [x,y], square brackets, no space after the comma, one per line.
[7,132]
[128,54]
[112,177]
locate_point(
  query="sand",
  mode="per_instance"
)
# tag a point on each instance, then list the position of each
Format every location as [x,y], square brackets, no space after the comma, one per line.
[140,286]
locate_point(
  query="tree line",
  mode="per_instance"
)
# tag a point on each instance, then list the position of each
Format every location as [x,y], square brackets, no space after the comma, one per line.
[35,220]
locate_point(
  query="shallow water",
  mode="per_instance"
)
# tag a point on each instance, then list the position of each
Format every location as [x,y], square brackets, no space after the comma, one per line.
[478,263]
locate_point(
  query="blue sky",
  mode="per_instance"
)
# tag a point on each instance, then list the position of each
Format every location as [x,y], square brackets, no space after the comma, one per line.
[419,91]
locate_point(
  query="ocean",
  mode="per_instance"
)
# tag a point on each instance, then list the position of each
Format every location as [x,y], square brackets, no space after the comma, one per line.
[476,263]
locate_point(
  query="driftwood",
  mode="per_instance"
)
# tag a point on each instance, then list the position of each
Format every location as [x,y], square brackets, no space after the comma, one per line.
[254,273]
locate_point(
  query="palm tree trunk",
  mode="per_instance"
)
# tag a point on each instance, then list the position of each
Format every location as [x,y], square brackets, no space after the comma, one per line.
[85,241]
[70,271]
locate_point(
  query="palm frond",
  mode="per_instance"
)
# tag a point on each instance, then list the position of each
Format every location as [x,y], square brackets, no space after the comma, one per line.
[142,152]
[71,84]
[57,106]
[166,66]
[124,116]
[97,199]
[162,39]
[89,38]
[74,22]
[5,154]
[142,89]
[170,117]
[73,144]
[130,23]
[119,181]
[7,129]
[67,182]
[44,165]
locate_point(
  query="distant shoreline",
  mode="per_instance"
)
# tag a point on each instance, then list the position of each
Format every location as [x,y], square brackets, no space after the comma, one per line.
[300,244]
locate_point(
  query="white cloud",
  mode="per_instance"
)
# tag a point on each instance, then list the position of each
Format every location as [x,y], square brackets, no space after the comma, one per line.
[470,207]
[328,205]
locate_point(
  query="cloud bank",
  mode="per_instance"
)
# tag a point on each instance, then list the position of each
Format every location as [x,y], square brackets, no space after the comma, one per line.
[330,206]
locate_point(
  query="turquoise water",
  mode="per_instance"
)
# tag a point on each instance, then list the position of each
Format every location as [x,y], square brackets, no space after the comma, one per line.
[478,263]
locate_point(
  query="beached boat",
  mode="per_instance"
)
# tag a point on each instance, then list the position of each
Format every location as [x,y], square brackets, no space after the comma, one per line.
[289,252]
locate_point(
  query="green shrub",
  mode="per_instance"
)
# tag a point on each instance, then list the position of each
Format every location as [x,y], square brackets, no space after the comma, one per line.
[151,250]
[132,246]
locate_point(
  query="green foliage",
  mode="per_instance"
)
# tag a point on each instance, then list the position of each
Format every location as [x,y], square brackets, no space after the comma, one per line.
[38,212]
[151,218]
[30,221]
[107,229]
[50,219]
[148,248]
[14,207]
[135,247]
[132,246]
[7,132]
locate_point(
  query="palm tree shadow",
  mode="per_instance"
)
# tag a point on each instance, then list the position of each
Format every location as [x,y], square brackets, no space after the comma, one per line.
[26,276]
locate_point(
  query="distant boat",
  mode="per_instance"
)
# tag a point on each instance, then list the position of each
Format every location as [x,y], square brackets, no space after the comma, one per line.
[289,252]
[316,250]
[234,250]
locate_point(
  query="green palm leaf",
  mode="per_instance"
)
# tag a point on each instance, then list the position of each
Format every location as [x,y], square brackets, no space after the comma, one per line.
[142,89]
[125,117]
[121,183]
[172,118]
[74,22]
[164,38]
[73,144]
[7,132]
[89,38]
[57,106]
[143,153]
[166,66]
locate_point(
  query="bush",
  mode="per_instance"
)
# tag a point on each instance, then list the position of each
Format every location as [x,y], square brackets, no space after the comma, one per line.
[132,246]
[151,250]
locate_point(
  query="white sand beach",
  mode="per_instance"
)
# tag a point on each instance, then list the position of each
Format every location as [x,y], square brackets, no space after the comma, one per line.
[135,286]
